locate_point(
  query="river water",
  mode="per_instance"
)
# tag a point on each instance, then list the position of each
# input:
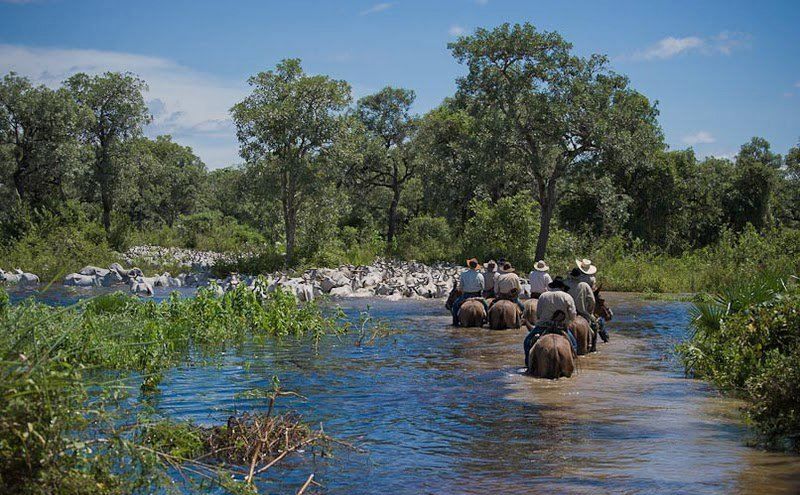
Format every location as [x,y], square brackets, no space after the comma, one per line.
[441,410]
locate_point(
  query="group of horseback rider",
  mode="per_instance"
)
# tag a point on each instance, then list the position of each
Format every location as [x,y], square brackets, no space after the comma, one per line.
[559,300]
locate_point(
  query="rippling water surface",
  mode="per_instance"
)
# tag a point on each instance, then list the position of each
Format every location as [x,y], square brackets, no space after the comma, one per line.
[442,410]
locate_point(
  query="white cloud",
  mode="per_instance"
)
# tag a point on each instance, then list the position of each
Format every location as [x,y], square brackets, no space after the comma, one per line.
[725,155]
[700,137]
[727,41]
[190,105]
[378,7]
[669,47]
[456,30]
[723,43]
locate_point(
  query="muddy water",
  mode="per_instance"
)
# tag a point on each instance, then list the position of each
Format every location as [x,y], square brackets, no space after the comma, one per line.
[443,410]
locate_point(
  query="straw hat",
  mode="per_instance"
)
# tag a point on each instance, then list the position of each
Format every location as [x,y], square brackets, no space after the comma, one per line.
[541,266]
[586,266]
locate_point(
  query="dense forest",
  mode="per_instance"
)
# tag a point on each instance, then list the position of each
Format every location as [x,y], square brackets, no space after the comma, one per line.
[540,153]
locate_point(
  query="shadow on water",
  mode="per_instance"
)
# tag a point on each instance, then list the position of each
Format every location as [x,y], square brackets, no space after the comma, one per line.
[444,410]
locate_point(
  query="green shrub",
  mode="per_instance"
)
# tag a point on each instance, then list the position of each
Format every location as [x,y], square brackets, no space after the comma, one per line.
[58,243]
[746,340]
[508,228]
[260,262]
[427,239]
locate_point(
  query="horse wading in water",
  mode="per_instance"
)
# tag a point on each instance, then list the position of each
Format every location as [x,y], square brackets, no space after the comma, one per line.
[552,356]
[472,312]
[504,314]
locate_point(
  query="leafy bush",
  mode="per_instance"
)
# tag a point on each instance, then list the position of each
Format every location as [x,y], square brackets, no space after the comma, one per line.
[59,242]
[508,228]
[746,340]
[206,231]
[260,262]
[427,239]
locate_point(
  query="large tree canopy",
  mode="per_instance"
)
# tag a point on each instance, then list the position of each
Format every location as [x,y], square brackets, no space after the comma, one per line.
[555,111]
[388,161]
[38,126]
[117,112]
[285,127]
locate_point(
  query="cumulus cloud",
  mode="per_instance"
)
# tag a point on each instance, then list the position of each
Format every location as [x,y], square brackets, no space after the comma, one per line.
[190,105]
[456,30]
[700,137]
[378,7]
[724,43]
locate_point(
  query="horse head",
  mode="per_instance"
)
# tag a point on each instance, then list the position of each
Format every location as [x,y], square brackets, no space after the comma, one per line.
[600,308]
[451,298]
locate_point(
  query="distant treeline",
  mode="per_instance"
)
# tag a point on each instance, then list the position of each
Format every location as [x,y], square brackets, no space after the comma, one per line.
[540,153]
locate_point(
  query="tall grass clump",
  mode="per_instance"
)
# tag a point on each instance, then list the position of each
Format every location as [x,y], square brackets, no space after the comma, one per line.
[746,341]
[63,429]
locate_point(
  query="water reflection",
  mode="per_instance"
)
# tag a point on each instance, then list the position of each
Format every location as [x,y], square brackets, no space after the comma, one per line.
[443,410]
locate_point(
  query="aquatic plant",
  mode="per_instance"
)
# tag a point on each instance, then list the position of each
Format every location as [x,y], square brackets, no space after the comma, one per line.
[61,416]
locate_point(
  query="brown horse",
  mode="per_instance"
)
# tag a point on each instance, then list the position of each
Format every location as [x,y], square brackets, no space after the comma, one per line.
[551,357]
[451,298]
[530,310]
[600,308]
[471,313]
[582,331]
[504,314]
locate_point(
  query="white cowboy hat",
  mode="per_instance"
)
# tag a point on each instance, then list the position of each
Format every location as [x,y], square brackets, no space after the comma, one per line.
[586,266]
[541,266]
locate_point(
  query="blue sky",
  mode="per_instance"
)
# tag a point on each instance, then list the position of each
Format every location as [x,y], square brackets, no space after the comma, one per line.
[722,71]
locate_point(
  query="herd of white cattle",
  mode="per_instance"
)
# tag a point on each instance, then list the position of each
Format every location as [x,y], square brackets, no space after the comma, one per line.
[387,278]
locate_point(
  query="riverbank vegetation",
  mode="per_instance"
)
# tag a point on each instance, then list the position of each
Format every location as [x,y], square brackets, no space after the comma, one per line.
[540,153]
[746,340]
[67,385]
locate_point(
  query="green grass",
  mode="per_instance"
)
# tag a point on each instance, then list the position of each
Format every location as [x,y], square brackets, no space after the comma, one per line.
[61,421]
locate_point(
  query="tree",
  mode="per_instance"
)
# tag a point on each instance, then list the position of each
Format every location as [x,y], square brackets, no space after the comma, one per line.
[789,192]
[117,112]
[38,130]
[389,161]
[285,127]
[556,112]
[754,181]
[165,180]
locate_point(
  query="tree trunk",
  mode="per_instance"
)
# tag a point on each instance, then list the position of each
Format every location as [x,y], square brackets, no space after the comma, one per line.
[105,182]
[289,216]
[290,225]
[18,186]
[393,215]
[547,201]
[105,199]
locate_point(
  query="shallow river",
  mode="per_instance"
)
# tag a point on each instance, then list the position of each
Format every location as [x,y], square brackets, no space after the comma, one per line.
[442,410]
